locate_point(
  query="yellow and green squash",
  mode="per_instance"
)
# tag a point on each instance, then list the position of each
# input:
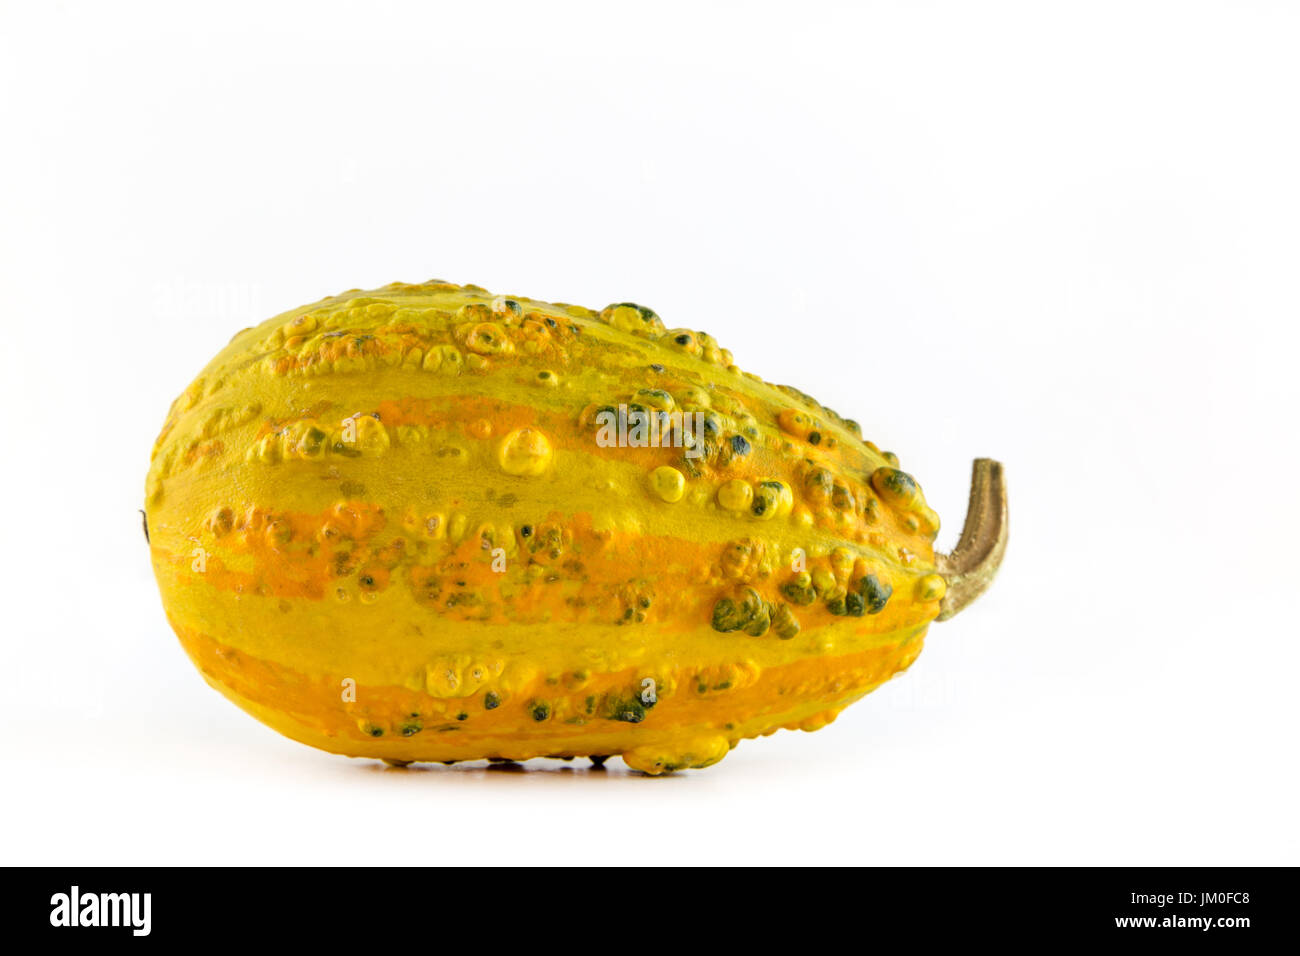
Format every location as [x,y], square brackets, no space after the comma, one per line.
[426,523]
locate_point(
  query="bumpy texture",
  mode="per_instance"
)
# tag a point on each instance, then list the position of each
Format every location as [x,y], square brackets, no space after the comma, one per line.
[384,525]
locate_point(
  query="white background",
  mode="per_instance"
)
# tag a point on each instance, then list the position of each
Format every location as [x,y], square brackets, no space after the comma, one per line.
[1064,235]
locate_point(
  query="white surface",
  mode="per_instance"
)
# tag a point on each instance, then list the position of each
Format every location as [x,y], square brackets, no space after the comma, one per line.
[1062,235]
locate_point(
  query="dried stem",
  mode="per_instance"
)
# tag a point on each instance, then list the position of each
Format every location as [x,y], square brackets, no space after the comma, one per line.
[969,570]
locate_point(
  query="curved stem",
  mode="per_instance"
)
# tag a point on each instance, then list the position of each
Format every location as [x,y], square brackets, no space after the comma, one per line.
[969,570]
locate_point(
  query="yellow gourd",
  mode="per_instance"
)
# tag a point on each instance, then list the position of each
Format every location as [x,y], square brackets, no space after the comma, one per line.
[426,523]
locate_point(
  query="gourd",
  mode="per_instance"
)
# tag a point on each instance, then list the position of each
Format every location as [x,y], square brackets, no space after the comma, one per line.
[424,523]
